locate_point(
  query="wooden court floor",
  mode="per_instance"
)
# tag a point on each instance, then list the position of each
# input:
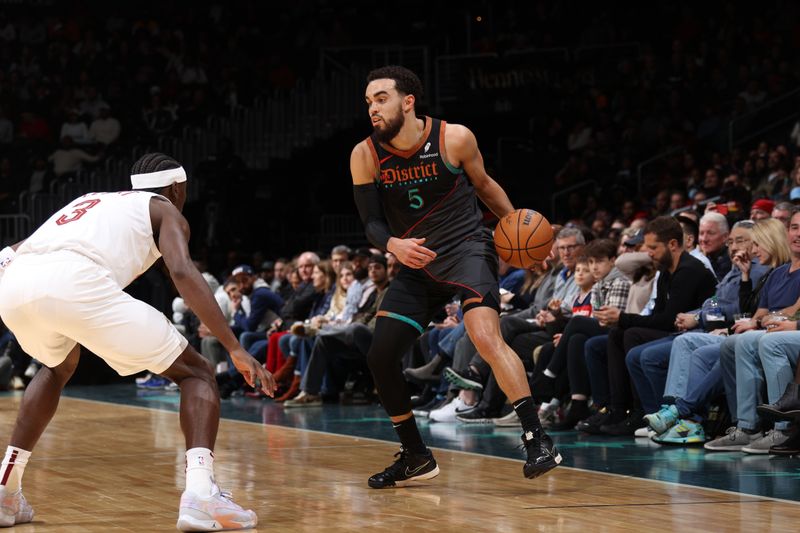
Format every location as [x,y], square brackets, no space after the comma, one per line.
[103,467]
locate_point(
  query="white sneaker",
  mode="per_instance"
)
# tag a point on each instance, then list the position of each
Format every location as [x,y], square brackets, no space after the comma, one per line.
[213,513]
[548,414]
[448,412]
[511,420]
[644,433]
[14,508]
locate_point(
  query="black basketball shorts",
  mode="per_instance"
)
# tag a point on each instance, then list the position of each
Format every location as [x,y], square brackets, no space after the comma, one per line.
[468,271]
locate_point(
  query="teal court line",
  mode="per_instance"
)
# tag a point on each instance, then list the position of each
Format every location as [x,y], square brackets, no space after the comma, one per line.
[729,473]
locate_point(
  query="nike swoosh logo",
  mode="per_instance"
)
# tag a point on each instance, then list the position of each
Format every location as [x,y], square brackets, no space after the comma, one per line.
[385,159]
[410,473]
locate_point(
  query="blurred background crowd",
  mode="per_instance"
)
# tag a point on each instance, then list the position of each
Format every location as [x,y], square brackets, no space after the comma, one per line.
[605,117]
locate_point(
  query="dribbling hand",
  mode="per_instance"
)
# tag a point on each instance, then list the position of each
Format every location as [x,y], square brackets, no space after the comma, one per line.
[410,252]
[253,372]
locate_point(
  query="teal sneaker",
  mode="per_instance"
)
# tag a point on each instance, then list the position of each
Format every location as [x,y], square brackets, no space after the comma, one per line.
[682,433]
[661,421]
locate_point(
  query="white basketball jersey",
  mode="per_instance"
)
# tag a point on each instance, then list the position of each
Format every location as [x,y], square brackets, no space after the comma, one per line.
[112,229]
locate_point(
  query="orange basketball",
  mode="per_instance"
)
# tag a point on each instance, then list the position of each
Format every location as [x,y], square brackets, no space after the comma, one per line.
[523,237]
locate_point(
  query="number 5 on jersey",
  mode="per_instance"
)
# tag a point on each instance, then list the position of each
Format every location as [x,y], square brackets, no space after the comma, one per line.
[414,199]
[78,210]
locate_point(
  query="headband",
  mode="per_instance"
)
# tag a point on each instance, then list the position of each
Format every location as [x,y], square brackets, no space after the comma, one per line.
[162,178]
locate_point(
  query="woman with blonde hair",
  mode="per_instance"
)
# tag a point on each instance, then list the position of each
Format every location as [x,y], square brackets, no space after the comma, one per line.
[770,244]
[345,279]
[770,235]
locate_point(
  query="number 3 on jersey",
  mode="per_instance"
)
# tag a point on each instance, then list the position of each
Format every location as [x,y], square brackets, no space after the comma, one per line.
[414,199]
[78,210]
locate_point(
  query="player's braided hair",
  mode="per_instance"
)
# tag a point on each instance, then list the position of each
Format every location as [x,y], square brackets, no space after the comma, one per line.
[153,162]
[406,82]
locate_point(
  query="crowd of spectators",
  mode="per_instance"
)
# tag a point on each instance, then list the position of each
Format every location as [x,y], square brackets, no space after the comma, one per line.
[656,314]
[80,81]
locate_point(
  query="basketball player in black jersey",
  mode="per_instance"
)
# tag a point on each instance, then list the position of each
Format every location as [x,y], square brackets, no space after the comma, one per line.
[415,182]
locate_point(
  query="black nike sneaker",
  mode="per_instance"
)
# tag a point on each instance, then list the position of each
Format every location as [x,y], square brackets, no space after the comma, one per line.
[408,467]
[543,455]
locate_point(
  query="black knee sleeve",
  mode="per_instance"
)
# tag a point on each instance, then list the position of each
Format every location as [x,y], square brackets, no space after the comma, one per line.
[391,340]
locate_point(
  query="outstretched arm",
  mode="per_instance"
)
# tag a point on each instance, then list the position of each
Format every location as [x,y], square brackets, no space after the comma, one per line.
[409,252]
[173,239]
[462,150]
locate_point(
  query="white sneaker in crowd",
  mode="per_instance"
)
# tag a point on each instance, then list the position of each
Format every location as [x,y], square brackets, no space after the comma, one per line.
[448,412]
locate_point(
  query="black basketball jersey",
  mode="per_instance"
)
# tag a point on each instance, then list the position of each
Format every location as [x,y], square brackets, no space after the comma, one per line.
[422,194]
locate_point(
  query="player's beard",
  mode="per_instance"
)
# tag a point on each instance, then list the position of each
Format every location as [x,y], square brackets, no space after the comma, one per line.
[390,128]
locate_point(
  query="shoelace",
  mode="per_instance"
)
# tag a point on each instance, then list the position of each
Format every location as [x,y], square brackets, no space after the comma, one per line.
[397,466]
[228,497]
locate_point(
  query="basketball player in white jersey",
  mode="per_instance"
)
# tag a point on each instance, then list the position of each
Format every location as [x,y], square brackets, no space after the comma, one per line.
[62,288]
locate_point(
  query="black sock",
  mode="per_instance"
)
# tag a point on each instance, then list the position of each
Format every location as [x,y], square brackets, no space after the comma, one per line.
[527,414]
[583,405]
[409,435]
[579,409]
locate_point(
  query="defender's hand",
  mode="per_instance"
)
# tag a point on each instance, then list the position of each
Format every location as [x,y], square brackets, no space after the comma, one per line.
[254,374]
[410,252]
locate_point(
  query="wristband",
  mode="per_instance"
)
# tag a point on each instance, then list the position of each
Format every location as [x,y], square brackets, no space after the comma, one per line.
[7,255]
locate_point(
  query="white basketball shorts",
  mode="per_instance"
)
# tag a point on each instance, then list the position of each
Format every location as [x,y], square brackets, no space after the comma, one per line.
[53,301]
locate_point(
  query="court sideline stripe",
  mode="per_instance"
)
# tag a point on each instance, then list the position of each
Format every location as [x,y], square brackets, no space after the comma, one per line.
[483,455]
[604,505]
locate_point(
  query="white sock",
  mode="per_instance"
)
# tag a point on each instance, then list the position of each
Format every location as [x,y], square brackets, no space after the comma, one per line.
[547,372]
[200,471]
[13,467]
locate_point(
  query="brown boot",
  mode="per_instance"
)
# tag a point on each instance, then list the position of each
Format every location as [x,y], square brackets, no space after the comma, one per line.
[294,390]
[284,374]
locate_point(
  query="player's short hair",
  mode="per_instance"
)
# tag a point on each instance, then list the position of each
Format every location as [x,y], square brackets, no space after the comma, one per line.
[405,81]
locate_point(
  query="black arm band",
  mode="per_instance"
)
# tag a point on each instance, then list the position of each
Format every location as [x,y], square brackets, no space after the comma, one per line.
[369,207]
